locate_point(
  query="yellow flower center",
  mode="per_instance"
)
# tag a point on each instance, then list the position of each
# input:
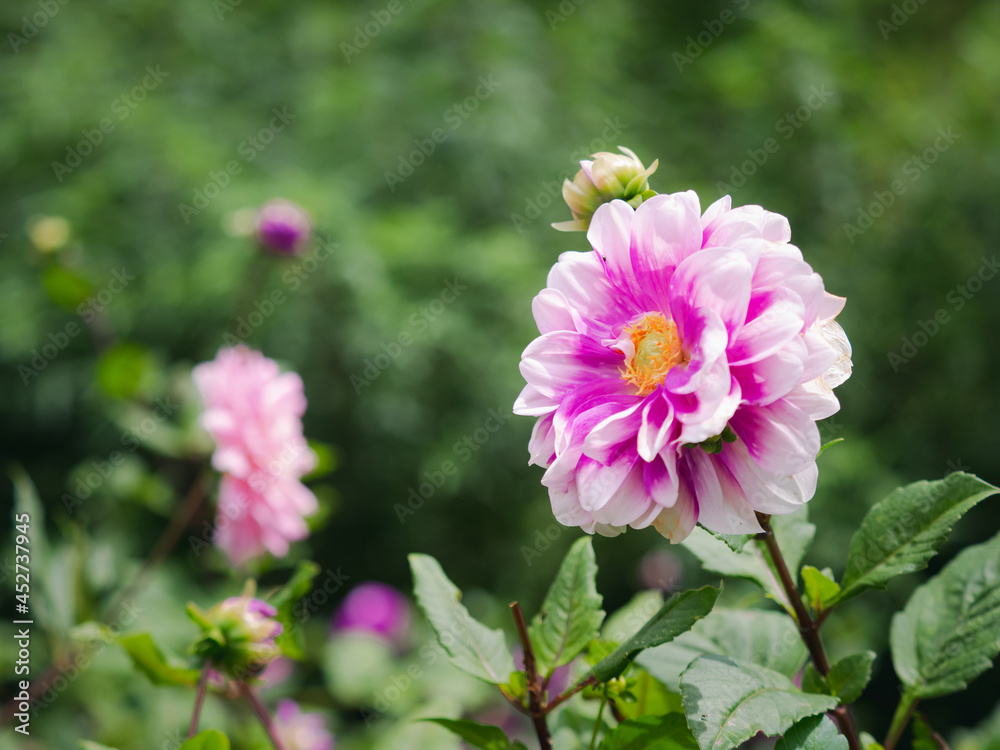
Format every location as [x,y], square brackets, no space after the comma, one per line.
[657,349]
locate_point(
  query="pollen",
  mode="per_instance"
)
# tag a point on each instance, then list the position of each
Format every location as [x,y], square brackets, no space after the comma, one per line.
[657,348]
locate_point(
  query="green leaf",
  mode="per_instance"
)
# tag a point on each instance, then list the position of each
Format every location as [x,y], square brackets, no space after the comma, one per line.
[471,646]
[814,682]
[925,738]
[66,288]
[207,740]
[292,640]
[767,639]
[123,367]
[680,612]
[906,529]
[820,588]
[794,534]
[651,732]
[849,677]
[649,697]
[88,745]
[478,735]
[571,614]
[625,621]
[949,631]
[813,733]
[870,743]
[735,542]
[149,660]
[728,702]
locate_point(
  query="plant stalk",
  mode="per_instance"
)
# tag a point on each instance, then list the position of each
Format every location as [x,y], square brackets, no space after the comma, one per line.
[199,699]
[808,628]
[536,701]
[904,711]
[262,715]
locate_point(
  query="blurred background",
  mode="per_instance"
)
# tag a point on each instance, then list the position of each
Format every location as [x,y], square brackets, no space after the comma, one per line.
[428,141]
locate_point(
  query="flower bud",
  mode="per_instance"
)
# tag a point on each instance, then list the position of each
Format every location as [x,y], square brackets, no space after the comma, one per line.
[606,178]
[283,227]
[238,634]
[377,609]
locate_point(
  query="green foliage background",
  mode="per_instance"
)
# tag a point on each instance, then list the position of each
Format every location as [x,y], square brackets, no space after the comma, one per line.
[467,214]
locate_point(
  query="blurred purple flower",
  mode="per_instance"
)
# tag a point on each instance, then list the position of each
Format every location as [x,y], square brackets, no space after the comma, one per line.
[301,731]
[374,608]
[283,227]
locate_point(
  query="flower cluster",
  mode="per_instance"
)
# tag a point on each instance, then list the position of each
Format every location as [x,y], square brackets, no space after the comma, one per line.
[254,414]
[681,368]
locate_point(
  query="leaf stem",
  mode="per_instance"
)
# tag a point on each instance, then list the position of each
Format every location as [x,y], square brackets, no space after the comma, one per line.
[904,711]
[597,721]
[199,699]
[261,713]
[590,681]
[808,628]
[536,700]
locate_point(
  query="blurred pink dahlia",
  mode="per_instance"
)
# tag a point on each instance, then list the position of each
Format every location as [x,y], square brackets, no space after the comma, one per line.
[254,414]
[298,730]
[680,371]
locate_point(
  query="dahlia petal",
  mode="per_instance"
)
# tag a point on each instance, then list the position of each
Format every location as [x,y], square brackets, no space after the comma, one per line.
[840,370]
[722,506]
[606,436]
[769,379]
[766,225]
[815,398]
[552,312]
[598,484]
[773,317]
[609,234]
[542,445]
[831,307]
[780,437]
[655,428]
[660,478]
[769,492]
[585,408]
[666,230]
[704,346]
[556,363]
[722,206]
[531,403]
[711,423]
[821,354]
[628,504]
[714,278]
[676,522]
[567,509]
[581,279]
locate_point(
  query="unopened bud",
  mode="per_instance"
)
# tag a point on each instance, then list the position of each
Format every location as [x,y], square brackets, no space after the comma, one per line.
[605,178]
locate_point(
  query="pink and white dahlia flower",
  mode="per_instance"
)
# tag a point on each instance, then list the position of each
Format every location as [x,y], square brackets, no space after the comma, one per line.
[254,414]
[680,371]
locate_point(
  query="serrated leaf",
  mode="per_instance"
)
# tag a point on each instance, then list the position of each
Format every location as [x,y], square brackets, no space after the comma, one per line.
[813,733]
[625,621]
[292,640]
[676,616]
[571,614]
[767,639]
[160,669]
[849,677]
[470,645]
[659,732]
[814,682]
[728,702]
[906,529]
[949,631]
[794,534]
[735,542]
[478,735]
[820,589]
[207,740]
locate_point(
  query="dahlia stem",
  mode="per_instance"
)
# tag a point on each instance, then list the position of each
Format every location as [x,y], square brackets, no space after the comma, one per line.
[262,715]
[536,702]
[904,711]
[199,699]
[808,628]
[597,722]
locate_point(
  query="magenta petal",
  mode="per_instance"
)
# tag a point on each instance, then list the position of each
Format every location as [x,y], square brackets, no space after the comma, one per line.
[677,521]
[552,312]
[717,279]
[780,437]
[609,235]
[666,230]
[629,503]
[660,478]
[773,317]
[556,363]
[656,427]
[772,377]
[598,483]
[722,506]
[769,492]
